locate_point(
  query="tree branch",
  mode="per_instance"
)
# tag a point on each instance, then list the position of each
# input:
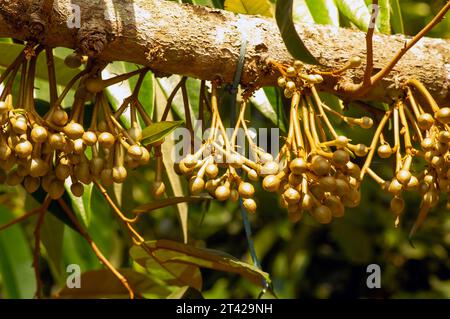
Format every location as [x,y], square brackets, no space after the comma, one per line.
[204,43]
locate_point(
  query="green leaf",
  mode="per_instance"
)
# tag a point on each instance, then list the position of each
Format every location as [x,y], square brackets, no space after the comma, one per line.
[55,208]
[118,92]
[384,17]
[159,130]
[52,235]
[396,17]
[265,100]
[42,93]
[102,283]
[185,292]
[168,272]
[193,88]
[103,229]
[291,39]
[175,181]
[63,75]
[324,11]
[261,7]
[77,251]
[168,202]
[11,50]
[147,95]
[176,185]
[81,205]
[166,251]
[356,11]
[17,274]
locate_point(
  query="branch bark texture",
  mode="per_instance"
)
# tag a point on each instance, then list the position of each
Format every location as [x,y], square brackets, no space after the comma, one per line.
[204,43]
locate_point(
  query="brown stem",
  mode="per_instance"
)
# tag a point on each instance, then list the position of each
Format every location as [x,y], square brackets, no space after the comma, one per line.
[187,114]
[398,156]
[147,120]
[112,204]
[192,49]
[362,89]
[419,86]
[23,82]
[29,89]
[20,219]
[9,84]
[47,8]
[369,44]
[171,97]
[51,75]
[65,91]
[201,105]
[374,143]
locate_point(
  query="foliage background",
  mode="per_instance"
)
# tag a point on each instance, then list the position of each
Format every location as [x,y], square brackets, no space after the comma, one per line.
[305,260]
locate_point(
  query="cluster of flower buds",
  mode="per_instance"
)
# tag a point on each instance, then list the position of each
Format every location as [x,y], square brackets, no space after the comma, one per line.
[48,150]
[43,152]
[312,172]
[217,168]
[426,136]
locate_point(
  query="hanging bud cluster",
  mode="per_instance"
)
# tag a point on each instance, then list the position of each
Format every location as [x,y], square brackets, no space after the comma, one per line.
[420,150]
[50,149]
[312,172]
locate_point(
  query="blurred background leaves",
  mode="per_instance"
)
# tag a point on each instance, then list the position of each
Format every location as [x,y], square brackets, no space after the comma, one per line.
[304,260]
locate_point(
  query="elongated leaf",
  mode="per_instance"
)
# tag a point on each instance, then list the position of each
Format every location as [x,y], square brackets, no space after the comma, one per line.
[261,7]
[118,92]
[175,181]
[291,39]
[167,272]
[193,88]
[11,50]
[103,229]
[185,292]
[77,251]
[356,11]
[159,130]
[384,17]
[15,260]
[324,11]
[81,205]
[103,284]
[52,235]
[396,17]
[41,85]
[266,104]
[174,252]
[55,208]
[168,202]
[147,94]
[41,92]
[423,213]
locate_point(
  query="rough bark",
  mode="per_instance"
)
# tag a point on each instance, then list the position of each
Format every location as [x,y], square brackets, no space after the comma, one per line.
[204,43]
